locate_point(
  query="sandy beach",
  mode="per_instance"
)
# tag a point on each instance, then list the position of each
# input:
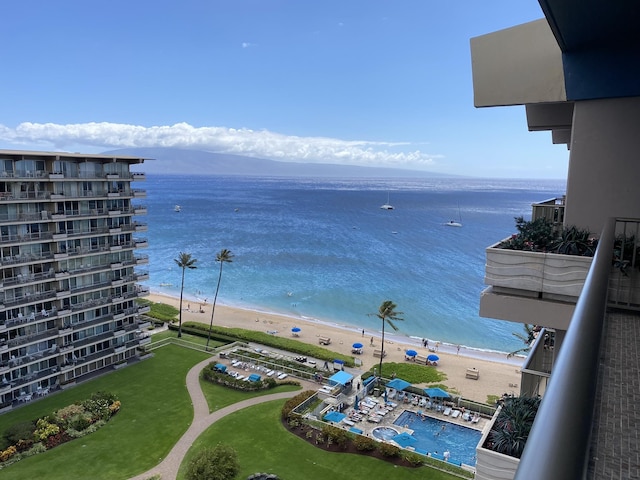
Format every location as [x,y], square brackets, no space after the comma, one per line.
[498,374]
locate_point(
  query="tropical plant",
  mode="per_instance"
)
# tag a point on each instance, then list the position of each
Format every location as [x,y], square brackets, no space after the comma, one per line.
[527,338]
[222,257]
[625,252]
[387,314]
[511,429]
[217,463]
[536,235]
[184,261]
[540,235]
[575,241]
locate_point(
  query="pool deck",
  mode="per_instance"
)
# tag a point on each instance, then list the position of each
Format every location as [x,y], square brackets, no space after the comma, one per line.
[366,423]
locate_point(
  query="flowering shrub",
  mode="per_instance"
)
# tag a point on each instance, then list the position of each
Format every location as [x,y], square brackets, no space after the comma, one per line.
[114,407]
[44,429]
[98,405]
[72,421]
[8,453]
[64,414]
[57,439]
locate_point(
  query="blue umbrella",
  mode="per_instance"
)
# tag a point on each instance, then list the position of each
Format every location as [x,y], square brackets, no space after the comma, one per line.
[398,384]
[355,405]
[436,392]
[433,358]
[411,353]
[295,329]
[357,345]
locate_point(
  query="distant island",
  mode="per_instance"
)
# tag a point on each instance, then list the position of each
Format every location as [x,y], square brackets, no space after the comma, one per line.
[173,161]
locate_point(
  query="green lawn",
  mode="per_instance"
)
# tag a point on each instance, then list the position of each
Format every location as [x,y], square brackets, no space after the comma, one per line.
[219,397]
[263,445]
[156,411]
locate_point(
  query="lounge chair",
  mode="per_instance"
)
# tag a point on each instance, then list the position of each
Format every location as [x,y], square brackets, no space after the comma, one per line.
[447,411]
[391,393]
[400,396]
[455,413]
[423,402]
[475,418]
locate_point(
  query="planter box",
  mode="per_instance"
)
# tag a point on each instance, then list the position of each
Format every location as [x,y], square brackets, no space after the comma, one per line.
[550,273]
[492,465]
[118,366]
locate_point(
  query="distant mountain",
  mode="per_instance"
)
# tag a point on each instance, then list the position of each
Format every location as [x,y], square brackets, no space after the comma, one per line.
[166,161]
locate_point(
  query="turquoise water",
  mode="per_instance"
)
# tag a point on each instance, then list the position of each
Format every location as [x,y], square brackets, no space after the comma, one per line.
[431,437]
[325,250]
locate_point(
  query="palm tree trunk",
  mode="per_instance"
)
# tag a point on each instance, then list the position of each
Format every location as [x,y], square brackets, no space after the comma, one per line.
[213,307]
[381,351]
[180,313]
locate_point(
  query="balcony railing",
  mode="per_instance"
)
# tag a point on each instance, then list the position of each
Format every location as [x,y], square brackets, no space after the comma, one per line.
[559,442]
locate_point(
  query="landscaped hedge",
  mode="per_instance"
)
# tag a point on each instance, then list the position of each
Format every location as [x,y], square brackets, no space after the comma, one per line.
[288,344]
[210,374]
[73,421]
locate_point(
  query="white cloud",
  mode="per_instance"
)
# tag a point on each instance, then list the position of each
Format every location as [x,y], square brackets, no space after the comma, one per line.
[239,141]
[248,44]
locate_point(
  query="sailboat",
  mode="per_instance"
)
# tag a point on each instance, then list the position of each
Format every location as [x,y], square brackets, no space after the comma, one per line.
[387,206]
[453,223]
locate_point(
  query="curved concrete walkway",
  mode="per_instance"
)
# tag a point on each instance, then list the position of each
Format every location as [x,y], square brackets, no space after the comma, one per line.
[202,419]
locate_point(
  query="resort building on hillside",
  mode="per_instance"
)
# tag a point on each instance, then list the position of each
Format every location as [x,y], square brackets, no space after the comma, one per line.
[69,241]
[577,73]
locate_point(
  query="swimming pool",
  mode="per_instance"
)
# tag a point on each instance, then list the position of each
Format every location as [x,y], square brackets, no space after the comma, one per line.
[384,433]
[435,436]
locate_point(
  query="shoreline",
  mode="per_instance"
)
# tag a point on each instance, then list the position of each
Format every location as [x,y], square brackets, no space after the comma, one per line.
[409,340]
[498,374]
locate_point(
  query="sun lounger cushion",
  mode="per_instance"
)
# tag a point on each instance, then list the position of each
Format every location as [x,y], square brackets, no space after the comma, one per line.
[447,411]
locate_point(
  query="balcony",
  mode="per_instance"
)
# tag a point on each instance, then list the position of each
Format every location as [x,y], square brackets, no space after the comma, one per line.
[142,276]
[141,259]
[139,210]
[141,227]
[138,176]
[139,193]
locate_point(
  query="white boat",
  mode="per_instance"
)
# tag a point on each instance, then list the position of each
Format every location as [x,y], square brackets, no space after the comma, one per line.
[454,223]
[177,208]
[387,206]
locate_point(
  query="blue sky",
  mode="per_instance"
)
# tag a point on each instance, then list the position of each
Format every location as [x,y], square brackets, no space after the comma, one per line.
[358,82]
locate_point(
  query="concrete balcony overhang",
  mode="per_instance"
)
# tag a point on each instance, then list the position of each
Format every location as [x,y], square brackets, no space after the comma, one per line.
[515,307]
[517,66]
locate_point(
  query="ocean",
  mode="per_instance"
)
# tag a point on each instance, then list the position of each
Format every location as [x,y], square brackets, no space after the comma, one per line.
[323,249]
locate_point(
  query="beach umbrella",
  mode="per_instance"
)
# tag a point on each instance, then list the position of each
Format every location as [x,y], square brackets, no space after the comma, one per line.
[357,345]
[436,392]
[411,353]
[398,384]
[295,329]
[355,405]
[433,358]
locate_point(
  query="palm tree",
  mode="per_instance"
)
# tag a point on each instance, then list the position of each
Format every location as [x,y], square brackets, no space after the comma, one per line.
[527,338]
[224,256]
[184,261]
[387,313]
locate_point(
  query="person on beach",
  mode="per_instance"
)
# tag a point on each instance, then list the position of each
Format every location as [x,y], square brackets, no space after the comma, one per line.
[371,342]
[458,348]
[363,332]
